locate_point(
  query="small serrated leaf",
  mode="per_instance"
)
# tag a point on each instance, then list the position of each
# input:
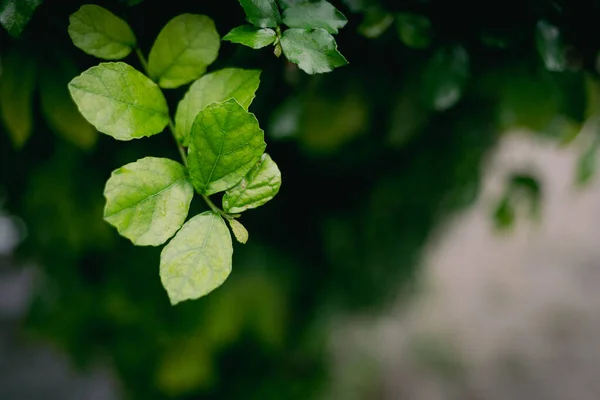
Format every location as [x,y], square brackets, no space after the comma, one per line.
[216,87]
[100,33]
[225,143]
[319,14]
[148,200]
[314,51]
[261,13]
[239,231]
[251,36]
[120,101]
[183,49]
[259,185]
[198,259]
[17,84]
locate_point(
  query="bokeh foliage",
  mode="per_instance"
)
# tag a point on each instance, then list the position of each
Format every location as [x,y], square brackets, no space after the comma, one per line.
[373,156]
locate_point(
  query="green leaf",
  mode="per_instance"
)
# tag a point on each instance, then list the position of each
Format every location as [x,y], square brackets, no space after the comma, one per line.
[445,77]
[183,49]
[60,111]
[239,231]
[376,22]
[15,14]
[314,51]
[259,185]
[120,101]
[320,14]
[285,4]
[100,33]
[251,36]
[216,87]
[261,13]
[550,46]
[586,164]
[17,84]
[198,259]
[225,143]
[148,200]
[414,30]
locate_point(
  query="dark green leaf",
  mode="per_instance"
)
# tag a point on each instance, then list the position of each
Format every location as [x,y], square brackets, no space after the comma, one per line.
[314,51]
[216,87]
[120,101]
[17,84]
[183,49]
[376,22]
[15,14]
[225,143]
[259,185]
[261,13]
[445,77]
[100,33]
[251,36]
[320,14]
[148,200]
[198,259]
[414,30]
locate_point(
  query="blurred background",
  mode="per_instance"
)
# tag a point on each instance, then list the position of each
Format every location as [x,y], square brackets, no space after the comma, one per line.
[435,236]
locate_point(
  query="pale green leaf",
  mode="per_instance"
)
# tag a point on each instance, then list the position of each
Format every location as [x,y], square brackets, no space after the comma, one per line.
[225,143]
[120,101]
[314,51]
[100,33]
[60,111]
[259,185]
[251,36]
[239,231]
[15,14]
[148,200]
[183,49]
[261,13]
[17,84]
[198,259]
[319,14]
[218,86]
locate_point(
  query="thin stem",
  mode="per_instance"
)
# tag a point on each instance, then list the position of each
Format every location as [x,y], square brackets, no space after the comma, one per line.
[142,59]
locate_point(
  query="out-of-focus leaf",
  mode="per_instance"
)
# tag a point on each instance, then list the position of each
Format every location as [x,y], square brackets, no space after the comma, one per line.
[239,231]
[120,101]
[100,33]
[131,2]
[285,119]
[414,30]
[251,36]
[407,117]
[445,77]
[261,13]
[319,14]
[148,200]
[563,129]
[59,110]
[592,90]
[218,86]
[587,164]
[225,143]
[504,214]
[259,185]
[314,51]
[183,49]
[550,46]
[376,22]
[17,84]
[15,14]
[198,259]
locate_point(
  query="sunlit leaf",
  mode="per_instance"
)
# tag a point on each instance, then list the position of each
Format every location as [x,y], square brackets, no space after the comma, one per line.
[259,185]
[15,14]
[17,84]
[251,36]
[218,86]
[261,13]
[225,143]
[314,51]
[100,33]
[183,49]
[198,259]
[319,14]
[59,110]
[148,200]
[239,231]
[120,101]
